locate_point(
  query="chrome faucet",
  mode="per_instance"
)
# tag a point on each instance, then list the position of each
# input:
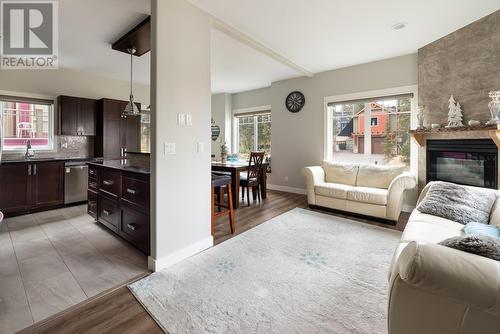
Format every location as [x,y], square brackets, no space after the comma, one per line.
[29,152]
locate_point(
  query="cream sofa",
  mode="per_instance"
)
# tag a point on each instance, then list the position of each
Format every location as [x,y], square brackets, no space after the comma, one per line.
[370,190]
[440,290]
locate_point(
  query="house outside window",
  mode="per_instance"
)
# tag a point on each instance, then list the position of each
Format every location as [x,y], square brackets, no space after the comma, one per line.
[383,140]
[253,133]
[25,118]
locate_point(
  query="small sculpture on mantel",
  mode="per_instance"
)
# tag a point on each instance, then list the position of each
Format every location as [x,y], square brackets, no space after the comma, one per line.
[454,114]
[421,117]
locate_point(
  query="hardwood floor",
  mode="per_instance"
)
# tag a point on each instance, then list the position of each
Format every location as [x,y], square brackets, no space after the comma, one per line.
[119,312]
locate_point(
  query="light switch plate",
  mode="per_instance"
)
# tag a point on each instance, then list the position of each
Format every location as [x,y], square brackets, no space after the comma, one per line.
[189,119]
[169,148]
[181,119]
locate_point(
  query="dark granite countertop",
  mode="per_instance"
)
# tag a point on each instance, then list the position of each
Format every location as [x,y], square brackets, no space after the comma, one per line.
[45,159]
[123,164]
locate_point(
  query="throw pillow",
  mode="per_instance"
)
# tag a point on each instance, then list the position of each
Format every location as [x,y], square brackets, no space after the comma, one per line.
[474,228]
[480,245]
[462,204]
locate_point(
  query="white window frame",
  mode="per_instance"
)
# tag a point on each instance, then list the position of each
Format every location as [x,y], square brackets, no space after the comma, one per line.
[236,130]
[371,94]
[51,147]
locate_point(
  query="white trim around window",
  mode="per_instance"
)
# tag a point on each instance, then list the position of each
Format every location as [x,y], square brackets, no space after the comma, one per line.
[413,89]
[235,132]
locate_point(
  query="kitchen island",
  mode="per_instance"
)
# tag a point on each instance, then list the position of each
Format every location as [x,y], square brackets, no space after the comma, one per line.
[118,198]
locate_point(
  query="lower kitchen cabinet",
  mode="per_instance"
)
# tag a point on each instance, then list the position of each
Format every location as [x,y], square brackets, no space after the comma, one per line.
[31,186]
[121,203]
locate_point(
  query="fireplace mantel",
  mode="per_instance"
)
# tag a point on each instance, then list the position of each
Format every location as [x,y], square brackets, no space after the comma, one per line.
[421,136]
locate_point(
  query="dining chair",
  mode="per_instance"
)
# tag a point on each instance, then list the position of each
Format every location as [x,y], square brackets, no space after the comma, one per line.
[251,179]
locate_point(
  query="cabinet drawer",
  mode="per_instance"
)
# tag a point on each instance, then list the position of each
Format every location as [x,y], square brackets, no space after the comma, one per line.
[92,203]
[135,228]
[110,182]
[135,191]
[109,213]
[93,172]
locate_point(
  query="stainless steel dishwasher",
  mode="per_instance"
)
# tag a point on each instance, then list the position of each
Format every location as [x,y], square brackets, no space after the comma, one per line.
[76,181]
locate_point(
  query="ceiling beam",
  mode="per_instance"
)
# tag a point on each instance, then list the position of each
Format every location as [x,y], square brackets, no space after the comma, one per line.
[255,44]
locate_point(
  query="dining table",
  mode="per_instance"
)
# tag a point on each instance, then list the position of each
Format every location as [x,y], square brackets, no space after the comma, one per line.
[235,168]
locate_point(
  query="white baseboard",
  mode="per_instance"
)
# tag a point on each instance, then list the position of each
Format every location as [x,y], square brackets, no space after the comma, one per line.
[184,253]
[408,208]
[287,189]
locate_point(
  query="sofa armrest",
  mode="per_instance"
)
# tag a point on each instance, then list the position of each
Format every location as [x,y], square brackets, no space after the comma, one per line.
[395,194]
[452,274]
[314,175]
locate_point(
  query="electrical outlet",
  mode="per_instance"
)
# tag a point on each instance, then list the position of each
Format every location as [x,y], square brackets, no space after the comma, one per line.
[169,148]
[286,178]
[200,147]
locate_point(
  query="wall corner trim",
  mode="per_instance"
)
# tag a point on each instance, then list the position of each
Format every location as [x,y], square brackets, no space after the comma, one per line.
[287,189]
[181,254]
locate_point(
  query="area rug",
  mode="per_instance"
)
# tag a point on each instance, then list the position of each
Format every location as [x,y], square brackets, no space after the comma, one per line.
[301,272]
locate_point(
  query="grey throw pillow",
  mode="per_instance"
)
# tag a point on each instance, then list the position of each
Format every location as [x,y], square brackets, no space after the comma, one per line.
[480,245]
[459,203]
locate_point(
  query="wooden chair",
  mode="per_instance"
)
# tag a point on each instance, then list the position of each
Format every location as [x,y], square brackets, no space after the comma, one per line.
[221,183]
[252,177]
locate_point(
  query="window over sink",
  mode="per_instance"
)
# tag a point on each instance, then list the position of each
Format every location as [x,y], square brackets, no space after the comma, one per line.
[26,118]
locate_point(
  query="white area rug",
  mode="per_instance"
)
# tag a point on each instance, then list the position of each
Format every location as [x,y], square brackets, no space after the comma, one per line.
[301,272]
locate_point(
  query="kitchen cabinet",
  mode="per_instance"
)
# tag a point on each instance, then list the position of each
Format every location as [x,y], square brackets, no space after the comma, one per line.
[122,202]
[31,186]
[77,116]
[115,134]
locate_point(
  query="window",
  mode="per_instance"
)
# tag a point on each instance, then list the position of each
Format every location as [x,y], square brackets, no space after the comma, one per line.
[23,119]
[371,131]
[253,133]
[145,131]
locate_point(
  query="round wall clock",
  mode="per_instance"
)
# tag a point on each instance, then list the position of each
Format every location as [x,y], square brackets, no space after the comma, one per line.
[295,101]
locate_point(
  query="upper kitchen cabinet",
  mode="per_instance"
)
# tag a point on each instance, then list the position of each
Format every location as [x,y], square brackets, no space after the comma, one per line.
[116,134]
[77,116]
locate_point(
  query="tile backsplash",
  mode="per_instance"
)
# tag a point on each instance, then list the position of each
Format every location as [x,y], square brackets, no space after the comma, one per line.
[64,146]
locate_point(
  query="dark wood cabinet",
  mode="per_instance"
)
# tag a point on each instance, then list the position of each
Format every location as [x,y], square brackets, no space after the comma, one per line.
[114,134]
[47,186]
[121,203]
[15,185]
[31,186]
[77,116]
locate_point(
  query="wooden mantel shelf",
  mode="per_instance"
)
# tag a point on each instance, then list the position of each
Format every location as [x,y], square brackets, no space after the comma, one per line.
[420,136]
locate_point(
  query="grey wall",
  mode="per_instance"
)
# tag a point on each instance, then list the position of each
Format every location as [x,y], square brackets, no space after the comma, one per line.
[252,98]
[465,63]
[221,114]
[298,139]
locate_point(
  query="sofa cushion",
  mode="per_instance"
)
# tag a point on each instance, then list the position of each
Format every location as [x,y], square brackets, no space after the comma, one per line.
[344,173]
[335,190]
[368,195]
[462,204]
[424,228]
[377,176]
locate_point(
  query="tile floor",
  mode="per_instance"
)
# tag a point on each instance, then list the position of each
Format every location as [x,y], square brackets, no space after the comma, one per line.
[52,260]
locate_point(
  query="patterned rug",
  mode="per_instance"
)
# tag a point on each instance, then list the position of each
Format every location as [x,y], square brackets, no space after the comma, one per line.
[301,272]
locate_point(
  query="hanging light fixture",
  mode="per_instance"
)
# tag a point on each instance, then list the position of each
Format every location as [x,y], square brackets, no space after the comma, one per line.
[131,108]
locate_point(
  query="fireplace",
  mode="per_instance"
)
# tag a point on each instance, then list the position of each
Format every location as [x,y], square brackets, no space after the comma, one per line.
[472,162]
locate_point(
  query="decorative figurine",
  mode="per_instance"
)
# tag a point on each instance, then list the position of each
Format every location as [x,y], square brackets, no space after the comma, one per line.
[454,114]
[421,117]
[494,106]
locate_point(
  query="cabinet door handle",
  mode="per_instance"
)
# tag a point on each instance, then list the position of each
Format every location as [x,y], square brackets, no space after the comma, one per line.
[131,191]
[34,169]
[133,227]
[108,183]
[29,170]
[106,212]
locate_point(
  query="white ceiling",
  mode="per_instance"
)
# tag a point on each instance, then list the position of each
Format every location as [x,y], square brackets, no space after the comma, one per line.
[318,35]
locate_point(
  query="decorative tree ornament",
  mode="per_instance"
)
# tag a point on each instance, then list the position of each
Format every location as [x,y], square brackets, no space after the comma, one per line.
[454,114]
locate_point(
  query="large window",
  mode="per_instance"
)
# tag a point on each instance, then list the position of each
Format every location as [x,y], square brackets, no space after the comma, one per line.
[24,119]
[371,131]
[253,133]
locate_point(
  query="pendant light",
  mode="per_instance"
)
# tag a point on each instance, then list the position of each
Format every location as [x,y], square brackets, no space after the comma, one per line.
[131,108]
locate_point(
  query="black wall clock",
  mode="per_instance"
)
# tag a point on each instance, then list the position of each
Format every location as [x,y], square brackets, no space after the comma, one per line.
[295,101]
